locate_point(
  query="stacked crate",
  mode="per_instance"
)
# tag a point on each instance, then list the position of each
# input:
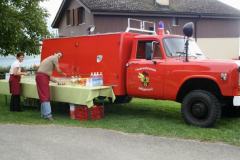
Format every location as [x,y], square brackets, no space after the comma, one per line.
[96,112]
[82,112]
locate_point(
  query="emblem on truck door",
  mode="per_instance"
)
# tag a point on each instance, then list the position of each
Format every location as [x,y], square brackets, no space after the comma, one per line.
[144,78]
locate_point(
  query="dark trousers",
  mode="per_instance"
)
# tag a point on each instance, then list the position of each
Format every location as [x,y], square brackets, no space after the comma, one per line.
[15,103]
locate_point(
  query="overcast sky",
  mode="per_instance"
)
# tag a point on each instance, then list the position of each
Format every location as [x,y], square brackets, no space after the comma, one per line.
[53,5]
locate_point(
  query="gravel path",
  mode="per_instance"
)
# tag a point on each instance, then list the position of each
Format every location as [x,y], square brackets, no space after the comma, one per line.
[23,142]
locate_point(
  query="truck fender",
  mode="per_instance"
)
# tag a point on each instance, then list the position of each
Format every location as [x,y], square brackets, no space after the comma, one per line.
[203,82]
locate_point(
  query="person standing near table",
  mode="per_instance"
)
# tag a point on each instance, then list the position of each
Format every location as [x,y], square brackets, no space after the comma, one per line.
[14,82]
[43,77]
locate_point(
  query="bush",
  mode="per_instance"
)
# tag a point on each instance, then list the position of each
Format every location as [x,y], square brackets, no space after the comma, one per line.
[3,71]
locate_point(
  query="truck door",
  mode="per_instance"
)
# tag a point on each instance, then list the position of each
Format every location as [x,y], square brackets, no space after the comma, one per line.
[145,71]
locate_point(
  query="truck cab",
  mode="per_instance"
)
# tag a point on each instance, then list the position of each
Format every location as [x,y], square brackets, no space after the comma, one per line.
[150,58]
[160,68]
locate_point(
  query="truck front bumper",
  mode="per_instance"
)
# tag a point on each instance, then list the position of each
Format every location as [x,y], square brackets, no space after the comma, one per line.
[236,100]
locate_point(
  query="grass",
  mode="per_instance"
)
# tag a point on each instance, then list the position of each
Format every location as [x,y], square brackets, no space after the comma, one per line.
[158,118]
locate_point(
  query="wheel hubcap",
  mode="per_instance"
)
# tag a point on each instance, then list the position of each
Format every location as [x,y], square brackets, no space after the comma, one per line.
[199,110]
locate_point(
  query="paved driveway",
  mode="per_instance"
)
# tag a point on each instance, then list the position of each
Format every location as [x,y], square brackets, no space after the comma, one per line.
[21,142]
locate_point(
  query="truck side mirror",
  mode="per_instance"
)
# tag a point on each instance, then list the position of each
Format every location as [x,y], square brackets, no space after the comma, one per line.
[188,29]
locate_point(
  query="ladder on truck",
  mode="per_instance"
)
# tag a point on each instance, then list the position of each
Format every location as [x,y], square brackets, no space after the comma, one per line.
[142,26]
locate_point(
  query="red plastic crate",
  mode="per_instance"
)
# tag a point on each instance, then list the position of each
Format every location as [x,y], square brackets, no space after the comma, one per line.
[82,112]
[79,112]
[96,112]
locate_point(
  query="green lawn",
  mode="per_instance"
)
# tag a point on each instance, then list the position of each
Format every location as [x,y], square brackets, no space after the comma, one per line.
[159,118]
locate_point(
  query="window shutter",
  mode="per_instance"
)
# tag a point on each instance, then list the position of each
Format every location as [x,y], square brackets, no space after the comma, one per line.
[76,16]
[73,17]
[68,17]
[81,15]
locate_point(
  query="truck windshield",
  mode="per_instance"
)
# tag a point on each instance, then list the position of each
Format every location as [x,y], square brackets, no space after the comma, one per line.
[175,46]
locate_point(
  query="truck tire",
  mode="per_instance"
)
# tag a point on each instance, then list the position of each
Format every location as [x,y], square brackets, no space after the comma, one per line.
[122,99]
[201,108]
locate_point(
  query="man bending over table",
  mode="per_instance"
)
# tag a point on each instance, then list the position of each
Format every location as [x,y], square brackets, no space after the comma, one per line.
[43,77]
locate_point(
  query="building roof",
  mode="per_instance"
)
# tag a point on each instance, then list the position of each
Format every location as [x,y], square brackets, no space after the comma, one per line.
[190,8]
[204,7]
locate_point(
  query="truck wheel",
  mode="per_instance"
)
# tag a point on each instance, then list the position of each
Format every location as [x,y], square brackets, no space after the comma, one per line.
[201,108]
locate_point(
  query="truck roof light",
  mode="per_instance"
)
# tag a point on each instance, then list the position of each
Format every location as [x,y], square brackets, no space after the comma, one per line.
[160,30]
[161,24]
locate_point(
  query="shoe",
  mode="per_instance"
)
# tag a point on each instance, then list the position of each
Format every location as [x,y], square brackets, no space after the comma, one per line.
[49,118]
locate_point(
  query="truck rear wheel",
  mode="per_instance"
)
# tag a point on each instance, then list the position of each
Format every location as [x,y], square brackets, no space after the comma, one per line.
[201,108]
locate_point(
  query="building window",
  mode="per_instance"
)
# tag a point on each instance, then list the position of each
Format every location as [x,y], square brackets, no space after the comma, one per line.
[175,21]
[81,15]
[68,17]
[75,16]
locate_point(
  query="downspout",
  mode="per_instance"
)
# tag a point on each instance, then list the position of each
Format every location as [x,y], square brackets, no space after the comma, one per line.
[195,30]
[196,27]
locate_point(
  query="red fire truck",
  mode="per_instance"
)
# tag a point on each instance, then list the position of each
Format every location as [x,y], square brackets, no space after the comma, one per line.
[155,66]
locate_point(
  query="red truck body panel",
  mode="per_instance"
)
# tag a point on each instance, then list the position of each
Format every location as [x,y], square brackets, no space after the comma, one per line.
[204,69]
[80,56]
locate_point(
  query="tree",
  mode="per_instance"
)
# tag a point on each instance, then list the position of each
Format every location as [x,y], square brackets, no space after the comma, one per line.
[22,26]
